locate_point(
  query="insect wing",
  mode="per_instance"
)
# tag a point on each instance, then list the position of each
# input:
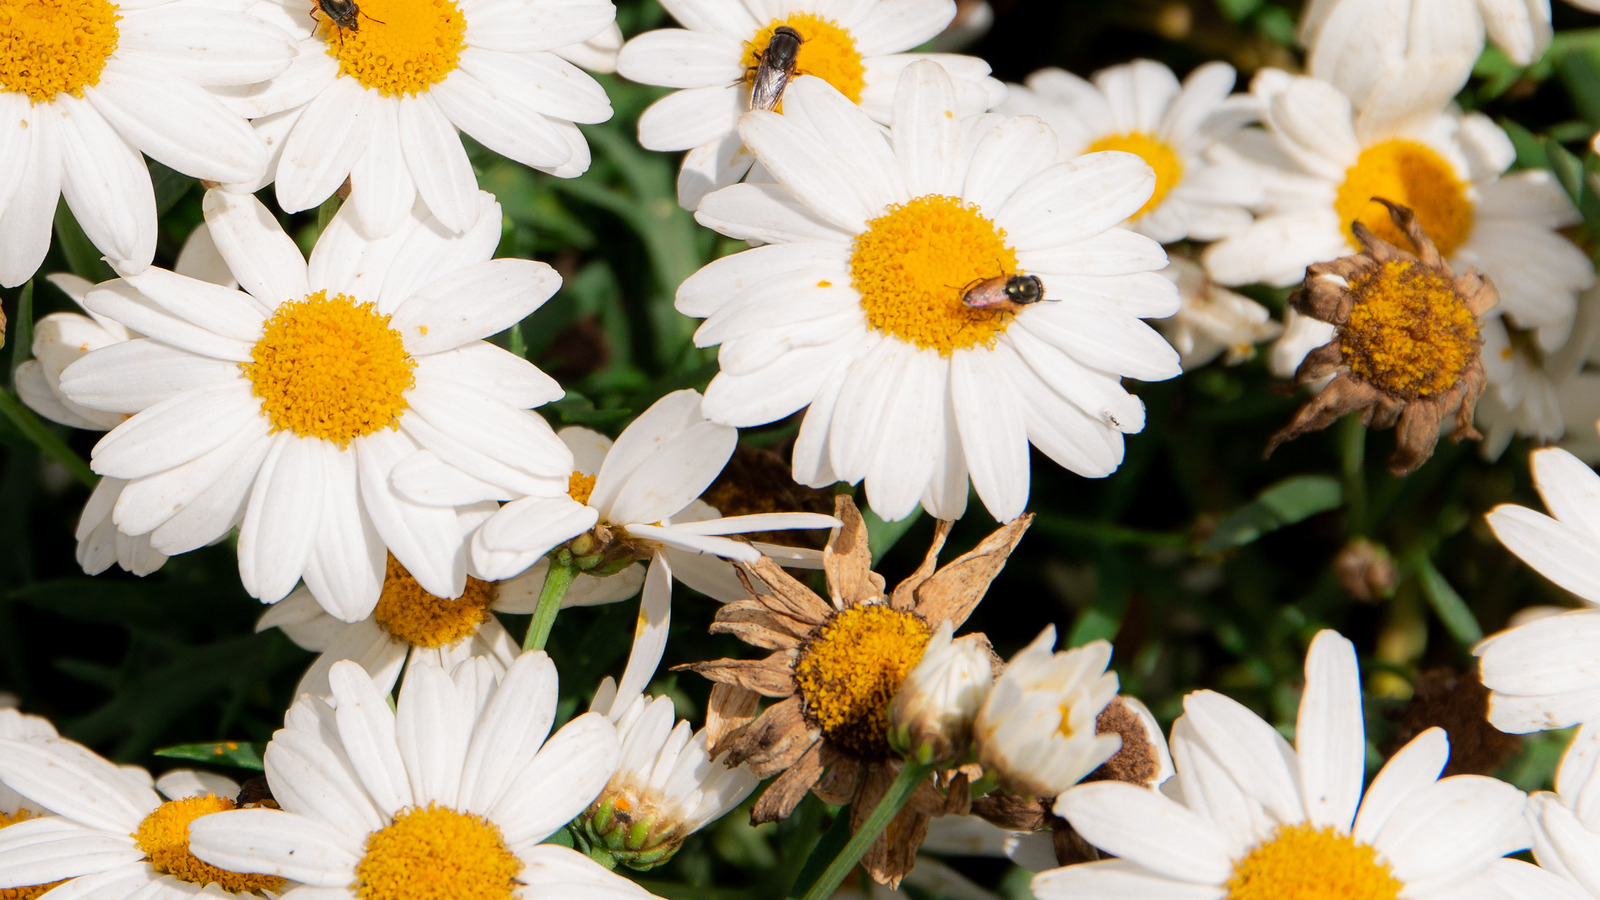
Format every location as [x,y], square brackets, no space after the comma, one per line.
[989,293]
[776,69]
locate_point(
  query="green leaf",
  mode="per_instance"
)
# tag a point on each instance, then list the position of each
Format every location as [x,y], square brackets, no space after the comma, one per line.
[576,409]
[83,257]
[240,754]
[1447,604]
[170,186]
[881,535]
[21,330]
[1285,503]
[1238,10]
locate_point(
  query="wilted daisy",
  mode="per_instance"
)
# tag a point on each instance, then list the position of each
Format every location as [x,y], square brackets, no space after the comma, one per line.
[1548,396]
[380,102]
[1407,344]
[858,47]
[835,669]
[450,794]
[86,86]
[671,782]
[61,339]
[106,830]
[1140,108]
[1213,320]
[855,306]
[1322,167]
[250,411]
[1253,817]
[1542,673]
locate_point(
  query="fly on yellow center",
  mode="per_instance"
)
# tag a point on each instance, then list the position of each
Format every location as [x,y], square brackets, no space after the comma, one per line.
[26,892]
[1303,862]
[436,853]
[330,368]
[827,51]
[1410,334]
[850,668]
[164,838]
[580,487]
[1409,174]
[413,616]
[913,264]
[401,46]
[54,47]
[1168,167]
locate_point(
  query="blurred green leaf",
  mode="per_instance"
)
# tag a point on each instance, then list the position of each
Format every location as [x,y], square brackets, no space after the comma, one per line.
[1238,10]
[1285,503]
[83,257]
[170,186]
[576,409]
[239,754]
[1452,611]
[881,535]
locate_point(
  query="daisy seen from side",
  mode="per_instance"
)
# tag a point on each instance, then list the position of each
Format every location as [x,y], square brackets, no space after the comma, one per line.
[249,409]
[1551,396]
[858,47]
[1566,824]
[381,103]
[854,310]
[1214,321]
[1249,816]
[450,794]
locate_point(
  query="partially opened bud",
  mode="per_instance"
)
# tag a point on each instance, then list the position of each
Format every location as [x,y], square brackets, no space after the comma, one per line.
[931,718]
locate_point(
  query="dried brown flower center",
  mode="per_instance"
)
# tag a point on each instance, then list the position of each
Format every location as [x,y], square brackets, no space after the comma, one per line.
[164,838]
[851,667]
[1410,332]
[412,615]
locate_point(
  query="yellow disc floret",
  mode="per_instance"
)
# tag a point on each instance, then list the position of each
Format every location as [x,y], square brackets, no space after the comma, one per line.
[1303,862]
[436,853]
[413,616]
[164,838]
[1410,333]
[51,47]
[827,51]
[915,262]
[398,46]
[1168,167]
[850,668]
[330,368]
[1410,174]
[580,486]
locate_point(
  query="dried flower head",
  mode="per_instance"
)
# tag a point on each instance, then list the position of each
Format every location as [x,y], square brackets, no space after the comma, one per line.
[836,667]
[1408,344]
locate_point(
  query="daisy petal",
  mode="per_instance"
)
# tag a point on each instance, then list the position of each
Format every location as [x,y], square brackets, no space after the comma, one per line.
[367,734]
[1075,200]
[514,724]
[1329,734]
[39,851]
[1146,828]
[926,132]
[279,526]
[433,727]
[278,843]
[524,531]
[650,630]
[565,776]
[1556,550]
[438,163]
[106,184]
[993,433]
[1413,768]
[265,260]
[555,871]
[179,124]
[1117,879]
[329,139]
[473,303]
[381,189]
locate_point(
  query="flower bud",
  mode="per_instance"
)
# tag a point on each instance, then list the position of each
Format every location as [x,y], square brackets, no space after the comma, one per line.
[931,717]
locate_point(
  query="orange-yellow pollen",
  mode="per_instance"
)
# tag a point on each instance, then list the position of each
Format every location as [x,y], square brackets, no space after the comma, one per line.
[850,668]
[164,838]
[580,487]
[827,51]
[1303,862]
[436,853]
[413,616]
[53,47]
[330,368]
[1410,174]
[1168,167]
[913,264]
[1410,333]
[398,47]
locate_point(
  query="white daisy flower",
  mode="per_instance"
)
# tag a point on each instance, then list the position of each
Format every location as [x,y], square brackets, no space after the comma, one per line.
[1423,33]
[1542,674]
[1215,321]
[1533,393]
[1248,816]
[636,499]
[20,726]
[668,785]
[1140,108]
[855,307]
[86,86]
[106,831]
[930,718]
[1566,823]
[457,784]
[858,46]
[61,339]
[381,102]
[251,410]
[1322,167]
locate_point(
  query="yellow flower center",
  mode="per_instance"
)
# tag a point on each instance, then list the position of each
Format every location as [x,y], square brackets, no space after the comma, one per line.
[1410,334]
[1409,174]
[1303,862]
[827,51]
[850,668]
[330,368]
[51,47]
[915,262]
[436,853]
[164,838]
[26,892]
[413,616]
[398,46]
[580,486]
[1167,165]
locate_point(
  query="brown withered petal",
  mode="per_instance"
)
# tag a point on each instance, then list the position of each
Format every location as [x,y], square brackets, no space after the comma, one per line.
[1013,813]
[1136,762]
[784,794]
[847,559]
[774,739]
[838,784]
[768,677]
[788,595]
[731,708]
[953,592]
[904,596]
[892,855]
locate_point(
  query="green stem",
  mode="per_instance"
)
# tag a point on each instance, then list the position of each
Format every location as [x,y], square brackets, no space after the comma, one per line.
[556,582]
[894,799]
[44,439]
[1352,452]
